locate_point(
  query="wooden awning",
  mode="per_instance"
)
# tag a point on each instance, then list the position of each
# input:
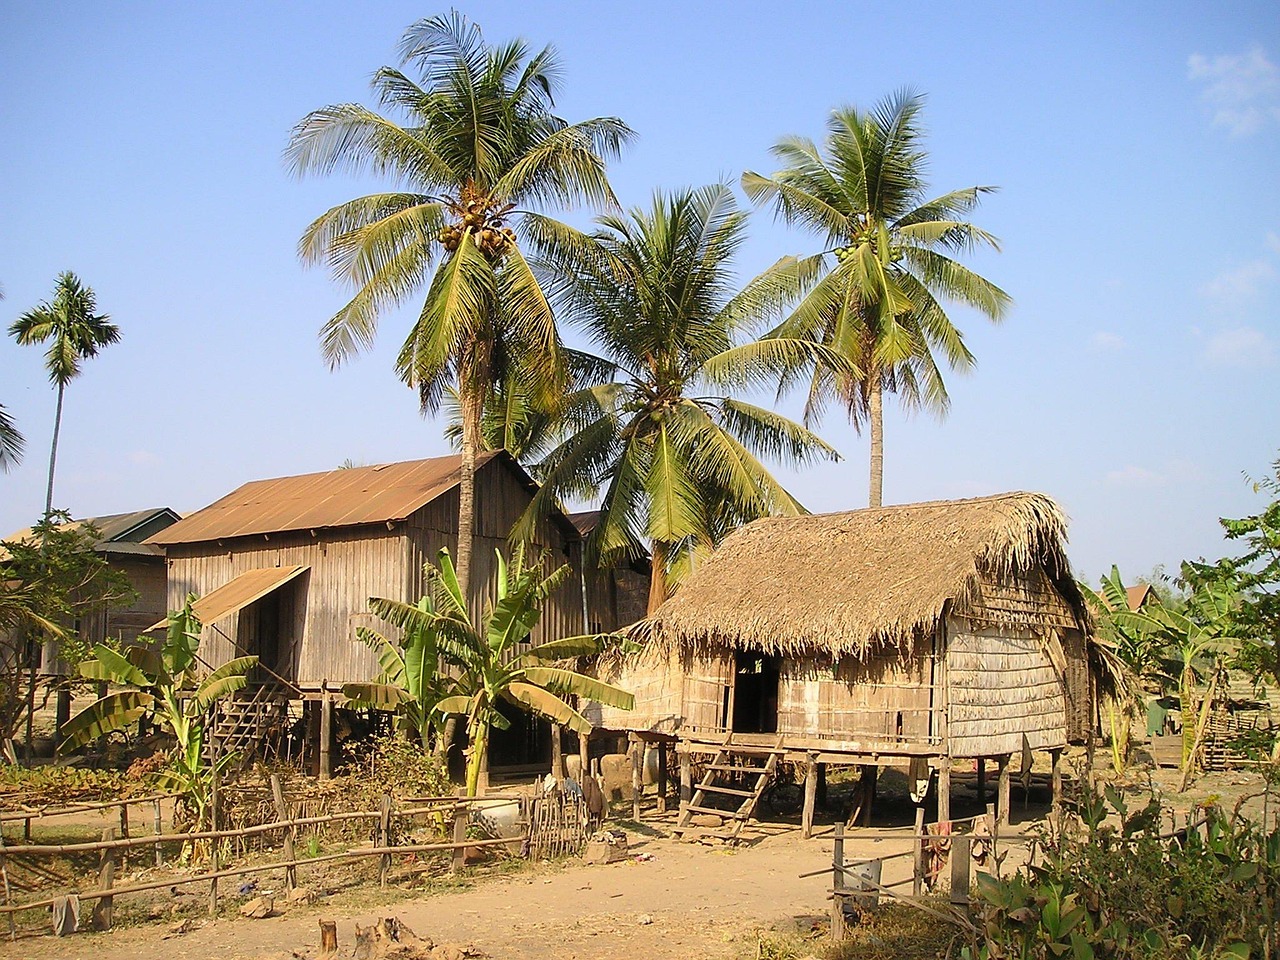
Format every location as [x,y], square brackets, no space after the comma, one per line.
[237,594]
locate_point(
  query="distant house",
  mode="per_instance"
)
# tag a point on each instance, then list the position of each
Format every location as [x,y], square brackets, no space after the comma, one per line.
[120,541]
[284,570]
[917,634]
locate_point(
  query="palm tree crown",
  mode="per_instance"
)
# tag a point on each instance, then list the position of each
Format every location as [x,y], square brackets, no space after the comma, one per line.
[480,151]
[676,458]
[75,332]
[873,295]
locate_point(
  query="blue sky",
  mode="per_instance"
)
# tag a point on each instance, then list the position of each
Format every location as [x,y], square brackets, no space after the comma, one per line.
[1135,147]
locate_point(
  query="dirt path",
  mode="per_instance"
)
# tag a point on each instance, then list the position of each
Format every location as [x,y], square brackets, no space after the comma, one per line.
[688,901]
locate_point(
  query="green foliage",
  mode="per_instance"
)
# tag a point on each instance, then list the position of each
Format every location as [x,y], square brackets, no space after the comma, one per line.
[50,579]
[12,442]
[875,295]
[60,786]
[676,457]
[163,684]
[398,766]
[1120,889]
[491,658]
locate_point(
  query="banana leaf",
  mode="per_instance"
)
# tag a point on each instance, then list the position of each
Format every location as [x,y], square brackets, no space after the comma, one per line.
[113,712]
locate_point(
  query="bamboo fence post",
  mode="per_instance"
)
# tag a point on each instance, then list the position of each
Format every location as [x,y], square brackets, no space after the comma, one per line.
[4,872]
[104,908]
[810,797]
[837,884]
[662,776]
[460,838]
[960,862]
[158,827]
[283,814]
[917,858]
[384,839]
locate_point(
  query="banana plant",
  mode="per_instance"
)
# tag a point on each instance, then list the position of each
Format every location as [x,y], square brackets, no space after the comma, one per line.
[493,660]
[163,684]
[411,683]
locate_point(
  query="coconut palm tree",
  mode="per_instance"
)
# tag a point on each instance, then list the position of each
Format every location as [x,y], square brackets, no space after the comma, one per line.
[11,442]
[676,457]
[75,332]
[873,295]
[479,152]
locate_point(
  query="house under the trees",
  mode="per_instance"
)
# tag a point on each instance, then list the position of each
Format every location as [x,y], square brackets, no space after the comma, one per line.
[910,635]
[284,569]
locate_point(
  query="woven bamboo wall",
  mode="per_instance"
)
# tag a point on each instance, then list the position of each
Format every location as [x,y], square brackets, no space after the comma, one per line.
[1001,685]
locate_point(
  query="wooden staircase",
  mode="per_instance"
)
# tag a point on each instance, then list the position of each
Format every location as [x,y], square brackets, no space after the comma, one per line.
[248,721]
[749,766]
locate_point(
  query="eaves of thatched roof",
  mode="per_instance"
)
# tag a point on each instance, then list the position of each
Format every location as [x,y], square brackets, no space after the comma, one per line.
[844,583]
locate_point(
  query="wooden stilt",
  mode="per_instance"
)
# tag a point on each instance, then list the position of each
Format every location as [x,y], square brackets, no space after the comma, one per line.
[584,756]
[1002,800]
[326,736]
[961,860]
[1056,761]
[944,790]
[810,797]
[982,779]
[686,778]
[557,753]
[821,798]
[662,776]
[637,775]
[870,774]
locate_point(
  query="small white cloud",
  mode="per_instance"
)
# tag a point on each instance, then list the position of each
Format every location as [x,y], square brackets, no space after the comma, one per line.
[1242,91]
[1241,347]
[1106,342]
[1135,476]
[1234,289]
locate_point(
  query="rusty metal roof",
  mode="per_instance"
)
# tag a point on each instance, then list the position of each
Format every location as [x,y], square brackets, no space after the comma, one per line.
[314,501]
[117,532]
[238,593]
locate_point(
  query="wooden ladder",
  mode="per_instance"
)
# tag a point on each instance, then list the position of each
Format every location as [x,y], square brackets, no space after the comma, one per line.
[731,761]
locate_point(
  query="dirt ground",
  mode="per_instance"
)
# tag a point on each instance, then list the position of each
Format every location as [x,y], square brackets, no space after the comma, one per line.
[669,900]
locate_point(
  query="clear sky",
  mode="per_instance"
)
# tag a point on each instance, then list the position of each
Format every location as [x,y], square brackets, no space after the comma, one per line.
[1135,146]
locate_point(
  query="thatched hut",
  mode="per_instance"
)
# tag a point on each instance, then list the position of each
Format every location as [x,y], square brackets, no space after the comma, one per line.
[915,634]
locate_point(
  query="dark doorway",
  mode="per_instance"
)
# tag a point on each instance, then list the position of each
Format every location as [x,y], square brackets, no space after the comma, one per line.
[269,629]
[524,746]
[755,693]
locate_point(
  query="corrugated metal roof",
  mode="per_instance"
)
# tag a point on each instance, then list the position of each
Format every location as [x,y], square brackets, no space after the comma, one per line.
[338,498]
[115,531]
[238,593]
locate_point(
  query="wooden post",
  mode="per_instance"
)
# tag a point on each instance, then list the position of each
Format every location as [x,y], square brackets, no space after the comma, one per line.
[821,798]
[459,837]
[557,753]
[384,839]
[944,790]
[584,755]
[124,832]
[326,736]
[662,776]
[867,782]
[837,884]
[158,827]
[637,775]
[995,838]
[1002,801]
[328,937]
[960,862]
[105,906]
[917,861]
[1056,812]
[982,779]
[4,872]
[686,778]
[810,797]
[282,814]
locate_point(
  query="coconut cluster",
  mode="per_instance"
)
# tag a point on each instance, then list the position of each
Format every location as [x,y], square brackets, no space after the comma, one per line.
[482,219]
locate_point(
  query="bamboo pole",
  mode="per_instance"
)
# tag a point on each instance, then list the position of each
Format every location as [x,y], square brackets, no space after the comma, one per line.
[8,899]
[40,813]
[326,735]
[156,827]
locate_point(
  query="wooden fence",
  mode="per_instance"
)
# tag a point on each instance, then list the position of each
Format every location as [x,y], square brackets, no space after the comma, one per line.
[452,812]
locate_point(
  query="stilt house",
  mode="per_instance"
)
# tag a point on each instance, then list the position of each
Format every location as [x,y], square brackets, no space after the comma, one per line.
[914,634]
[284,570]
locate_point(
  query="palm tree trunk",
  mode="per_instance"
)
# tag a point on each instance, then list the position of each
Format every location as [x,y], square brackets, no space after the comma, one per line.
[657,578]
[472,411]
[875,414]
[53,451]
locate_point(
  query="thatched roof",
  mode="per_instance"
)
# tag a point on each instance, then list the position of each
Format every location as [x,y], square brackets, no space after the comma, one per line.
[844,583]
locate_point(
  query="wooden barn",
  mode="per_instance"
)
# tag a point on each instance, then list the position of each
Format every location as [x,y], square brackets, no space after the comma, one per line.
[910,635]
[284,569]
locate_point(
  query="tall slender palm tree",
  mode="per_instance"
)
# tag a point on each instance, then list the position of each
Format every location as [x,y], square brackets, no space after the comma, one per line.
[75,332]
[480,151]
[873,295]
[676,458]
[11,440]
